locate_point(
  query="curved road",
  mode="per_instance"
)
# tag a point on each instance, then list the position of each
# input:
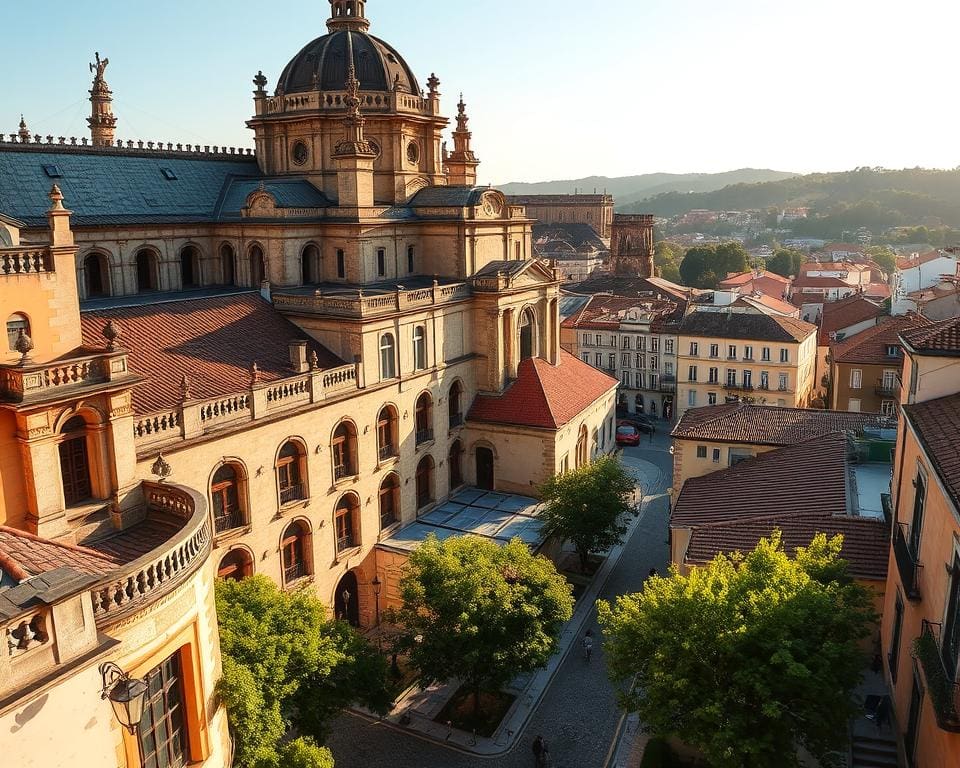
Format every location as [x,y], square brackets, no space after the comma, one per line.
[578,715]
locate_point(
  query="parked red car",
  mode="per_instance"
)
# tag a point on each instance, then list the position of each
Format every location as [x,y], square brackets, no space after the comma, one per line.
[627,434]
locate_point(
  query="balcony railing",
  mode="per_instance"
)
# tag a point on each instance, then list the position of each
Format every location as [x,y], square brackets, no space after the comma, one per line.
[36,383]
[907,564]
[456,420]
[387,452]
[361,304]
[738,386]
[424,436]
[292,493]
[25,261]
[229,521]
[943,688]
[294,572]
[343,471]
[346,542]
[668,384]
[886,389]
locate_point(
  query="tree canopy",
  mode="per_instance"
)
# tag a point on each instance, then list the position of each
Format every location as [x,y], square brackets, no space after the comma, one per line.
[588,506]
[704,266]
[480,612]
[785,262]
[285,664]
[666,258]
[884,256]
[747,657]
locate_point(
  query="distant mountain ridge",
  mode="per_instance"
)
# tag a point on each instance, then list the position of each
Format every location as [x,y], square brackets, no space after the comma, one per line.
[631,189]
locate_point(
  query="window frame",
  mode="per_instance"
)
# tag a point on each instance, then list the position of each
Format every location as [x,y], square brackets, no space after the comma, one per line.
[291,472]
[419,348]
[388,371]
[346,524]
[389,489]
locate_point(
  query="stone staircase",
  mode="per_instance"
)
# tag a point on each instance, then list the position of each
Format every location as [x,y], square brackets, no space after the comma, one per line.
[874,750]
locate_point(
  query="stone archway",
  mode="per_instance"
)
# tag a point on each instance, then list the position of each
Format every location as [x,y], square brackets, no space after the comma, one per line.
[346,599]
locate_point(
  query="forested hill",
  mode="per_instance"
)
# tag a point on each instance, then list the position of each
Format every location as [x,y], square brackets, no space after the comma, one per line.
[628,189]
[873,198]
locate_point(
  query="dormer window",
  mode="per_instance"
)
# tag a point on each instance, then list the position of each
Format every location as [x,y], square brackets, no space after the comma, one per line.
[168,174]
[53,171]
[893,350]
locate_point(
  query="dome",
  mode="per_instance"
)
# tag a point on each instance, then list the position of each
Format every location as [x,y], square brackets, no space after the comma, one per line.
[322,65]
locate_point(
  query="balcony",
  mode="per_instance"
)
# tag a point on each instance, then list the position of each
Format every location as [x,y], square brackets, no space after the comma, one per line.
[907,565]
[230,520]
[357,302]
[456,420]
[886,389]
[348,541]
[294,572]
[19,261]
[668,384]
[732,385]
[387,452]
[95,370]
[292,493]
[941,684]
[424,436]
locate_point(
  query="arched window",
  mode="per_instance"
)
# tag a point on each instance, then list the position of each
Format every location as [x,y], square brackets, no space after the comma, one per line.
[344,449]
[387,433]
[291,471]
[347,519]
[419,348]
[96,275]
[296,550]
[595,444]
[146,271]
[228,269]
[389,501]
[310,265]
[454,404]
[388,357]
[424,418]
[189,267]
[75,462]
[226,493]
[528,334]
[424,482]
[582,446]
[410,259]
[236,565]
[258,266]
[485,468]
[455,463]
[16,323]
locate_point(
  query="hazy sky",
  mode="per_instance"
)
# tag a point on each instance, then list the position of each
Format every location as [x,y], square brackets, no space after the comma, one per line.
[556,88]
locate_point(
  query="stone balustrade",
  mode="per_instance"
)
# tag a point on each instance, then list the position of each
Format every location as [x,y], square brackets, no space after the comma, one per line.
[194,418]
[26,633]
[60,143]
[374,101]
[33,383]
[361,306]
[25,261]
[135,585]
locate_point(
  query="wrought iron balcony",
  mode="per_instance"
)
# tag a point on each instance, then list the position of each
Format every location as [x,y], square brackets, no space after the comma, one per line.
[907,564]
[387,452]
[886,389]
[739,387]
[230,520]
[942,686]
[292,493]
[424,436]
[456,420]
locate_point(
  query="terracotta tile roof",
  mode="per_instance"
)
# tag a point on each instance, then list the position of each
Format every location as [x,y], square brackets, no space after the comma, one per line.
[31,555]
[601,311]
[819,282]
[831,266]
[801,489]
[213,341]
[938,338]
[769,425]
[739,325]
[923,258]
[748,277]
[844,313]
[869,347]
[937,422]
[770,302]
[878,290]
[544,395]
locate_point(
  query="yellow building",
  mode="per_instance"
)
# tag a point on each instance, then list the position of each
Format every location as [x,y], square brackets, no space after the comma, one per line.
[728,354]
[263,362]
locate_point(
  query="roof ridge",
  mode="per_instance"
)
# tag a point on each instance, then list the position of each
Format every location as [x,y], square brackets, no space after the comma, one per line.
[62,544]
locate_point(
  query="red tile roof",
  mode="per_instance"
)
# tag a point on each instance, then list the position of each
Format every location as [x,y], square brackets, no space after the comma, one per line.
[746,277]
[213,341]
[544,395]
[924,258]
[937,422]
[769,425]
[770,302]
[878,290]
[844,313]
[869,347]
[31,555]
[820,282]
[938,338]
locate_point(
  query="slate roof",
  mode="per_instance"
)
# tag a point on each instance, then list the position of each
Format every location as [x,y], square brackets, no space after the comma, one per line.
[938,338]
[544,396]
[213,340]
[739,325]
[937,423]
[115,188]
[289,193]
[844,313]
[869,347]
[801,489]
[549,238]
[447,197]
[769,425]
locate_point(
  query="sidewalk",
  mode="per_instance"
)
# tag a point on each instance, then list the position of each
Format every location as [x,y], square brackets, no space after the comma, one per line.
[416,708]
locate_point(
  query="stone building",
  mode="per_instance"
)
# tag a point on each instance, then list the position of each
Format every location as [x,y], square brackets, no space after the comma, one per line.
[596,210]
[632,247]
[235,362]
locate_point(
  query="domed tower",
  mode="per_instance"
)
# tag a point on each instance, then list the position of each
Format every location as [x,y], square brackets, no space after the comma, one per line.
[311,112]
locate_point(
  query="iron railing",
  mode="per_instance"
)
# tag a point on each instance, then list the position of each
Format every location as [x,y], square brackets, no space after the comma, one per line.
[943,688]
[292,493]
[907,564]
[424,436]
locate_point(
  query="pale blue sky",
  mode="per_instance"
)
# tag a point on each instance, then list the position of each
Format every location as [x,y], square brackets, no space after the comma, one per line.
[556,89]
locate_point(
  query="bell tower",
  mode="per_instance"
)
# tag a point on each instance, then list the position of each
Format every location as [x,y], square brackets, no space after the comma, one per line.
[461,164]
[103,124]
[348,15]
[632,245]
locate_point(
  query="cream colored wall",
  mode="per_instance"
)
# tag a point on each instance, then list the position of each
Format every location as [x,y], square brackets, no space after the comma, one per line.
[927,377]
[686,464]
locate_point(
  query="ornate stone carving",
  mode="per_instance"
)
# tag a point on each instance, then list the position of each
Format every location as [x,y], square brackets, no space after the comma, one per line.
[111,332]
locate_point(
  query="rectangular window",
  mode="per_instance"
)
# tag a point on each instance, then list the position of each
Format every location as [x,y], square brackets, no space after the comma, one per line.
[410,259]
[642,343]
[625,379]
[692,397]
[668,368]
[764,380]
[714,350]
[916,524]
[853,405]
[654,363]
[625,360]
[586,357]
[598,339]
[748,352]
[381,262]
[748,379]
[654,381]
[626,342]
[714,375]
[668,346]
[641,362]
[716,455]
[888,407]
[893,656]
[784,382]
[701,451]
[731,377]
[692,373]
[765,354]
[694,349]
[612,362]
[732,352]
[711,398]
[655,344]
[341,264]
[951,627]
[162,732]
[856,378]
[640,378]
[586,339]
[598,360]
[613,340]
[784,355]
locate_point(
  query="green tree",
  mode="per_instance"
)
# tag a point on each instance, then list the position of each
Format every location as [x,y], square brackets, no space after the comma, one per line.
[480,612]
[785,262]
[884,256]
[694,264]
[285,664]
[589,506]
[730,258]
[747,657]
[667,258]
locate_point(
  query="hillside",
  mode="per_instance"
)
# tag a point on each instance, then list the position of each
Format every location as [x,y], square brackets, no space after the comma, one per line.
[628,189]
[872,198]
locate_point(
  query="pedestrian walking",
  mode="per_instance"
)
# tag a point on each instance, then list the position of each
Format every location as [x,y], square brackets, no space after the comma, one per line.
[587,644]
[540,752]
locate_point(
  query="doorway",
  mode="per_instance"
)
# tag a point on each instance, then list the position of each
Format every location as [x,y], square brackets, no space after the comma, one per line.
[346,600]
[75,462]
[485,478]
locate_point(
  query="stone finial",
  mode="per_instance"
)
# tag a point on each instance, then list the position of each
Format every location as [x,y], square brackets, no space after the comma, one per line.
[161,468]
[254,373]
[314,361]
[433,84]
[56,198]
[24,132]
[185,393]
[111,332]
[261,82]
[23,345]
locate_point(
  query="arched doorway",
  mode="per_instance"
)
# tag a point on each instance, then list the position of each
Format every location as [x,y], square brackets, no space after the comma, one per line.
[75,462]
[346,600]
[528,341]
[485,476]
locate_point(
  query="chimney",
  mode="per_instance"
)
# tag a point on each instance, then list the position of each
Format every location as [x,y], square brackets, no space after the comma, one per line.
[298,357]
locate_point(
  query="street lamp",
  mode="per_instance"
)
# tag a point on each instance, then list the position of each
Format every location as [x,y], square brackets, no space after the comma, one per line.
[126,695]
[377,586]
[345,596]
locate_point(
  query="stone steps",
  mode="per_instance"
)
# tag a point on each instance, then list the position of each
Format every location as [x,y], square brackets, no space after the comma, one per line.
[878,751]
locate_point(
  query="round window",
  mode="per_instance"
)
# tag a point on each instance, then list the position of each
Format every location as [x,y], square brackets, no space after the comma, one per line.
[301,153]
[413,152]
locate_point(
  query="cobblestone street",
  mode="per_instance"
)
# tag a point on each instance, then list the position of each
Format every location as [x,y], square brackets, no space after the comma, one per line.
[578,715]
